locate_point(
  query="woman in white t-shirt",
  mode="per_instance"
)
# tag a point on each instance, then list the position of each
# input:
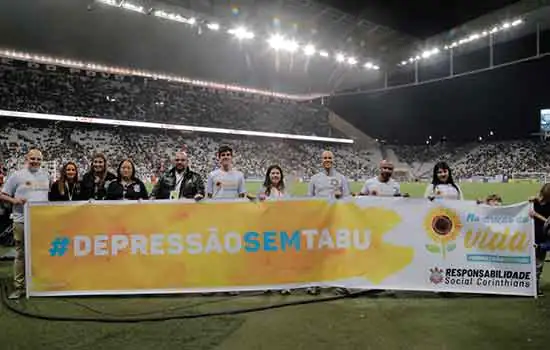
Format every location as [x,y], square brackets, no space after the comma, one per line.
[443,185]
[274,184]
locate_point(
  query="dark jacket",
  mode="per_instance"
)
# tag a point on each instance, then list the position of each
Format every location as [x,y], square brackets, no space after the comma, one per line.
[89,190]
[544,210]
[133,191]
[72,193]
[192,184]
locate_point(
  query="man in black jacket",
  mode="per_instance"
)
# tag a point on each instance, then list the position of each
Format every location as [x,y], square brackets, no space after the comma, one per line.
[179,182]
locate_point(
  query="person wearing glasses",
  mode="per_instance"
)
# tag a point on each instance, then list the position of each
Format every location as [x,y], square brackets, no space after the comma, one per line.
[30,184]
[179,182]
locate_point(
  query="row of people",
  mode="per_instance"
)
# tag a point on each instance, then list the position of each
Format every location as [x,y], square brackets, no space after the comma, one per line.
[32,184]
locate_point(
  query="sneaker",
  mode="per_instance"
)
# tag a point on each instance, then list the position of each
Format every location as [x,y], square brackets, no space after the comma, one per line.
[313,291]
[233,293]
[16,294]
[286,292]
[540,293]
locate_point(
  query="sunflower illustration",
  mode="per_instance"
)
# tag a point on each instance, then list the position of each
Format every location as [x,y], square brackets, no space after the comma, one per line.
[443,227]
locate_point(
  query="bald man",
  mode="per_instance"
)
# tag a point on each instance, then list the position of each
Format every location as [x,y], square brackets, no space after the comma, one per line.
[382,185]
[30,184]
[328,182]
[179,182]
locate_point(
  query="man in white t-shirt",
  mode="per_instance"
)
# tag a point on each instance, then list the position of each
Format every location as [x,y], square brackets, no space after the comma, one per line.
[30,184]
[382,185]
[225,182]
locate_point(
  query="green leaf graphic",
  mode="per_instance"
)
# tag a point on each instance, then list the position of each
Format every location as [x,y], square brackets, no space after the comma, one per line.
[451,247]
[432,248]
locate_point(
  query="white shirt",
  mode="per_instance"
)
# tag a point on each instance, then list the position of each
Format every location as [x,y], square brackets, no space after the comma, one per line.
[443,191]
[375,187]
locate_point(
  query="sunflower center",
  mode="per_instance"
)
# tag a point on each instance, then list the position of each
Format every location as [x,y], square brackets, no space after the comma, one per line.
[442,225]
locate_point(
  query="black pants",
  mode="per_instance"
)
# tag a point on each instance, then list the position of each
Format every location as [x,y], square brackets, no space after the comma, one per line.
[540,256]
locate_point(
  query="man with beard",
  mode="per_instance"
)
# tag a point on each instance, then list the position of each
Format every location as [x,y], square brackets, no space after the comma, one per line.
[179,182]
[328,182]
[382,185]
[30,184]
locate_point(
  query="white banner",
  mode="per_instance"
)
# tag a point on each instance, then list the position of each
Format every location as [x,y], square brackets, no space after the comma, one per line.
[368,242]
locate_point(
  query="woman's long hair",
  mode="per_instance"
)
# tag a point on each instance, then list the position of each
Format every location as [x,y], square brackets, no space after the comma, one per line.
[450,180]
[63,177]
[103,175]
[267,182]
[119,170]
[544,194]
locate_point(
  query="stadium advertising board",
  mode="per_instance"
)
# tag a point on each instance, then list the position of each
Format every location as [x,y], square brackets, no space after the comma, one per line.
[374,243]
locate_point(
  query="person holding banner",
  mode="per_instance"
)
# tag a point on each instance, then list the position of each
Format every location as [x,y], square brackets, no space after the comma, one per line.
[382,185]
[225,182]
[95,182]
[274,184]
[328,182]
[179,182]
[126,186]
[541,212]
[67,187]
[443,185]
[28,184]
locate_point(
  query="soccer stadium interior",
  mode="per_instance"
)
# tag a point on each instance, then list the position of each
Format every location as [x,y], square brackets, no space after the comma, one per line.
[281,81]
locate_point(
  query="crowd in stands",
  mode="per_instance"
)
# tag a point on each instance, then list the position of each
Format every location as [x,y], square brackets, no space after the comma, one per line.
[153,149]
[37,88]
[55,90]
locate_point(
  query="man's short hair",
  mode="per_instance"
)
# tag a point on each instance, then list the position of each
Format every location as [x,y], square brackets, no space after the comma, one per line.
[225,148]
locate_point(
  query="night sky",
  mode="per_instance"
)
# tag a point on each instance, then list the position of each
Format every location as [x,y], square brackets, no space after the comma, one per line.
[419,18]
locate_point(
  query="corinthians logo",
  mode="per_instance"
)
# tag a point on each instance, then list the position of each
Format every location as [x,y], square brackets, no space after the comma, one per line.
[436,275]
[443,227]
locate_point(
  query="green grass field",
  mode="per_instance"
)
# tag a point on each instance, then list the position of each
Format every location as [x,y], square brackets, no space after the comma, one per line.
[406,321]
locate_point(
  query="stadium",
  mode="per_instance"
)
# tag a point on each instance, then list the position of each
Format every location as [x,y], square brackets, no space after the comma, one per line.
[281,83]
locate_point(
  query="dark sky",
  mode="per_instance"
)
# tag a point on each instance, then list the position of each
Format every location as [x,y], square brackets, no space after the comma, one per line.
[419,18]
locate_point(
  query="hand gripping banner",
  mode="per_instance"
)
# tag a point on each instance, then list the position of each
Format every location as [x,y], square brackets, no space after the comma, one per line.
[366,243]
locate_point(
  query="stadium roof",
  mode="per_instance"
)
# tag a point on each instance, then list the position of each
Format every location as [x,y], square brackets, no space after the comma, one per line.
[108,36]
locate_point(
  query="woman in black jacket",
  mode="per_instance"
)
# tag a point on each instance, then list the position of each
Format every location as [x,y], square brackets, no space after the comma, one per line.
[126,185]
[95,182]
[67,188]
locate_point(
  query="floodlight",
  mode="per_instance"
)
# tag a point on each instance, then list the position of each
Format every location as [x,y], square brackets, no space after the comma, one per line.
[517,22]
[241,33]
[375,67]
[309,50]
[323,53]
[213,26]
[131,7]
[276,41]
[369,65]
[340,57]
[291,46]
[352,61]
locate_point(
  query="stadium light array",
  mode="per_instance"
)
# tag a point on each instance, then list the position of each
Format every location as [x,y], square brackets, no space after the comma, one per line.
[128,123]
[69,63]
[213,26]
[470,38]
[309,50]
[241,33]
[174,17]
[278,42]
